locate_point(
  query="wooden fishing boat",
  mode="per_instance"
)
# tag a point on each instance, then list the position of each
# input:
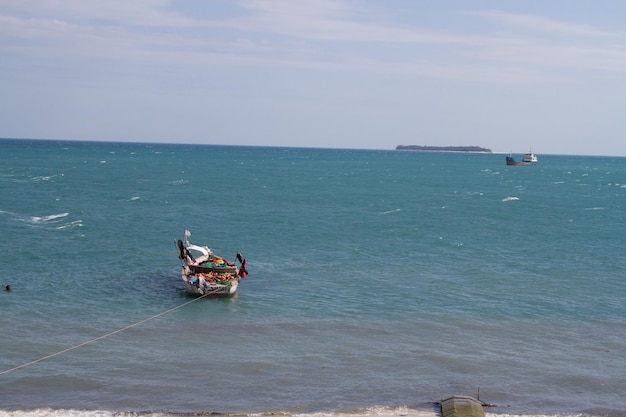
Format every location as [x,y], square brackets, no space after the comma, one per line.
[206,274]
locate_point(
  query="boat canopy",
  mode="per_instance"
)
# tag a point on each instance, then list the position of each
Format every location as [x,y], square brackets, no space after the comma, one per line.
[202,249]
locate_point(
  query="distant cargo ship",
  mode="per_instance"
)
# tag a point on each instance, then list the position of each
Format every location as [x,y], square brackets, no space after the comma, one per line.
[442,148]
[529,159]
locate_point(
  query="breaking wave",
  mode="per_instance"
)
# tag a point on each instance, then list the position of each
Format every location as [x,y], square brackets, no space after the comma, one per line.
[46,219]
[75,223]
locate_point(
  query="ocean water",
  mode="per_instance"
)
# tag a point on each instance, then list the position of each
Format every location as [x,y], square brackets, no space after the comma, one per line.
[380,281]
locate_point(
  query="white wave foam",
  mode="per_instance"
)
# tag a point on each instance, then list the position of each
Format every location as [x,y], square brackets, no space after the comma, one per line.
[47,412]
[510,199]
[45,219]
[369,412]
[134,198]
[376,411]
[75,223]
[391,211]
[45,177]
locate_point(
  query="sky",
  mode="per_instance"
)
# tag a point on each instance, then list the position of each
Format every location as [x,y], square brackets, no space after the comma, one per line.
[505,75]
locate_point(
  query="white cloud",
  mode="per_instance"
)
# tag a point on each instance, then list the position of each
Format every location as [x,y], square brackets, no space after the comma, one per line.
[331,35]
[116,12]
[546,25]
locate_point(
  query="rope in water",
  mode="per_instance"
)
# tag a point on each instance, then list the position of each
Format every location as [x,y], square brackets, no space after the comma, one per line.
[101,337]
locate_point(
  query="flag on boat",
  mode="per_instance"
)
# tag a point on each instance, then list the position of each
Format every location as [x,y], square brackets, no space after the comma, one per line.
[242,271]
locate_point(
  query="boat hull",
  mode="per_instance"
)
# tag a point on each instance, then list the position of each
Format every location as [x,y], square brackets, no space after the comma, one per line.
[209,287]
[512,162]
[211,291]
[461,406]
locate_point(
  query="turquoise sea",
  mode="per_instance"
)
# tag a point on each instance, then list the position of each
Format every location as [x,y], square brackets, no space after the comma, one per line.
[379,281]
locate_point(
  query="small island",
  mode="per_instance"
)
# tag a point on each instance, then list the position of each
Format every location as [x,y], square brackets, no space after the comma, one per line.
[442,148]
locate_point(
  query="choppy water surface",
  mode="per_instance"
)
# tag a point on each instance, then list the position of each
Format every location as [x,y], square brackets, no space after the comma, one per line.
[380,281]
